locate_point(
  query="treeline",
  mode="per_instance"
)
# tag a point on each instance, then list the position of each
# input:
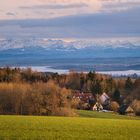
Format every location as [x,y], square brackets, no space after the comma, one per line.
[23,91]
[35,99]
[23,75]
[90,82]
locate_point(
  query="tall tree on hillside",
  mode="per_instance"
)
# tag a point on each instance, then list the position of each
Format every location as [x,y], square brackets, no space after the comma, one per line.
[91,76]
[97,87]
[128,84]
[82,82]
[116,95]
[109,84]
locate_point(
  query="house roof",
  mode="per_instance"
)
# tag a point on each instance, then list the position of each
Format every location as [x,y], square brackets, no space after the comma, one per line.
[97,103]
[83,96]
[105,95]
[103,98]
[129,110]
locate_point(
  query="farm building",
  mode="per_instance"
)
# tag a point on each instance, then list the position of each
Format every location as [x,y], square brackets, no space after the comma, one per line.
[129,111]
[126,110]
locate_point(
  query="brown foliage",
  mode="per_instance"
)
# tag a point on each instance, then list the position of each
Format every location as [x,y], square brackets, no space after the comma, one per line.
[23,91]
[136,106]
[34,99]
[114,106]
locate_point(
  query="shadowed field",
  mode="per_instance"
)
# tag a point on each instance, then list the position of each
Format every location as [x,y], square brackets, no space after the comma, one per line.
[104,115]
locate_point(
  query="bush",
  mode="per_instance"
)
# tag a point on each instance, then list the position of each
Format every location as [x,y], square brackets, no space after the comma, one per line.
[136,107]
[114,106]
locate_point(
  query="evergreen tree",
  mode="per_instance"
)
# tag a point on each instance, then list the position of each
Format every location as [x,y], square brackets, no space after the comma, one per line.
[82,82]
[116,95]
[128,84]
[97,87]
[110,84]
[91,76]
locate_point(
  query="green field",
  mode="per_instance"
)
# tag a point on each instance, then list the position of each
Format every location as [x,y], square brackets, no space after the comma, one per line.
[70,128]
[94,114]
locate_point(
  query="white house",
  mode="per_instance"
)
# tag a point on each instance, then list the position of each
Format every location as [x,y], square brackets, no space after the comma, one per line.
[104,99]
[97,107]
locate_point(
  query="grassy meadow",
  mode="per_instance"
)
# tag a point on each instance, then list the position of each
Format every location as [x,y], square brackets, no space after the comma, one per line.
[70,128]
[103,115]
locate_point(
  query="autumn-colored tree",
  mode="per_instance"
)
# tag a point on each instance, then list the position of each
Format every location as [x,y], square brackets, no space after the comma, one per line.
[114,106]
[136,106]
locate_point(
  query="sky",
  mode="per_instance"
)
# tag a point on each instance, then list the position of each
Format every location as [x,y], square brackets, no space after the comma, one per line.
[70,18]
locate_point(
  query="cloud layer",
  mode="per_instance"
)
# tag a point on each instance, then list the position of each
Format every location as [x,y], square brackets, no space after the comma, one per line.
[36,9]
[70,18]
[121,24]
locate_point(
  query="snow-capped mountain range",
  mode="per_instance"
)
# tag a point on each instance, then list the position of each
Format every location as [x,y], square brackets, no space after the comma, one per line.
[68,45]
[42,48]
[67,54]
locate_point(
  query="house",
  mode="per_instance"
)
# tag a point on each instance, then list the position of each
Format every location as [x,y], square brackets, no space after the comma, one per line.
[97,107]
[126,110]
[104,99]
[129,111]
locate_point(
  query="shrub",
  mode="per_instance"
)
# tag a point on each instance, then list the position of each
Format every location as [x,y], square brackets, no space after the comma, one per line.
[136,106]
[114,106]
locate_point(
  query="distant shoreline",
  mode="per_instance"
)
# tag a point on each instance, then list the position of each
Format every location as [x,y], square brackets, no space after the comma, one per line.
[63,71]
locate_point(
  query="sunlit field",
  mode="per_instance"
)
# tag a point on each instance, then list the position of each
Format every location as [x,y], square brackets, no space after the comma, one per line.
[69,128]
